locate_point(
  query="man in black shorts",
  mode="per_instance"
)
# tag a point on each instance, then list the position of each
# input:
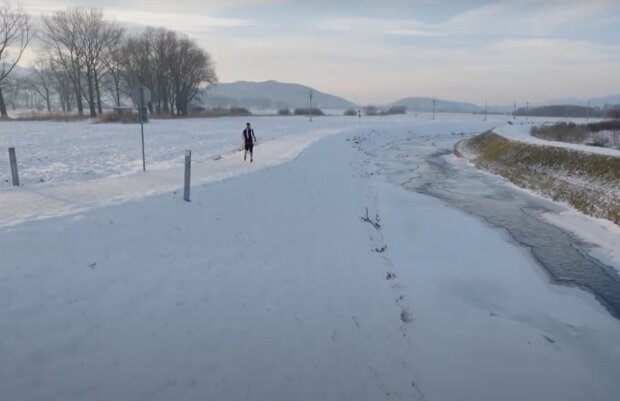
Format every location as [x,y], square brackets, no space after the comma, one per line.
[249,138]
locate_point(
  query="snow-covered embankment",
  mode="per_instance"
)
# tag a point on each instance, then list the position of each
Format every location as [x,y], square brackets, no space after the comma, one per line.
[586,178]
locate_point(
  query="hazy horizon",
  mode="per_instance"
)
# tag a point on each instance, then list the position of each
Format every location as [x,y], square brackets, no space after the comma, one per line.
[371,52]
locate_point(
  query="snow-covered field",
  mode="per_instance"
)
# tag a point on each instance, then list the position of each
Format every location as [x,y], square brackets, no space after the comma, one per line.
[77,151]
[269,285]
[52,152]
[521,132]
[69,167]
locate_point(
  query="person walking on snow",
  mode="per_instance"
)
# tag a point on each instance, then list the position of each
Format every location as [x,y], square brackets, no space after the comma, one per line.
[250,139]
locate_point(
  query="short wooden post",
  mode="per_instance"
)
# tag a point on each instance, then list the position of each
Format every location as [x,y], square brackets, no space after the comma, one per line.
[188,169]
[13,160]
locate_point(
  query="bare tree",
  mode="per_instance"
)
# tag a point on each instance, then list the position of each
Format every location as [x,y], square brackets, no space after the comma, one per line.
[138,62]
[174,67]
[15,91]
[89,32]
[62,84]
[42,80]
[15,33]
[61,34]
[81,41]
[97,36]
[161,43]
[192,68]
[114,63]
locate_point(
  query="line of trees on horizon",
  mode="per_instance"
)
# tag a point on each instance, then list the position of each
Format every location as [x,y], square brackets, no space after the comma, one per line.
[86,62]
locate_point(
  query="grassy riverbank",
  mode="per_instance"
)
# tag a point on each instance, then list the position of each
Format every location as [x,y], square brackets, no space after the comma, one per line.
[589,182]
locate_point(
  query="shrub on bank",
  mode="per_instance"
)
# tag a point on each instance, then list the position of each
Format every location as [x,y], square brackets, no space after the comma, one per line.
[306,111]
[55,116]
[126,117]
[604,133]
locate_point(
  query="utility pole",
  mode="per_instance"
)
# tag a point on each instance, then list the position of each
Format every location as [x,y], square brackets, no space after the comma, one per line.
[527,111]
[416,109]
[434,102]
[310,109]
[486,109]
[514,113]
[588,112]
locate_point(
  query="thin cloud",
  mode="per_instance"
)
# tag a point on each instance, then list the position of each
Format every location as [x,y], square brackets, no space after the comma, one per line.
[376,26]
[526,17]
[371,52]
[178,21]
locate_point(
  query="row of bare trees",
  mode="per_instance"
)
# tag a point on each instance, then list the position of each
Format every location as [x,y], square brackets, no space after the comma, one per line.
[87,62]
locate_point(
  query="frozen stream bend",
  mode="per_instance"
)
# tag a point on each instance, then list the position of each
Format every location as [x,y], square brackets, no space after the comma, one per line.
[427,166]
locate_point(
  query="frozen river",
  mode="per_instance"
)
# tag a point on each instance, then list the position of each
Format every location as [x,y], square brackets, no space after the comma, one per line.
[427,166]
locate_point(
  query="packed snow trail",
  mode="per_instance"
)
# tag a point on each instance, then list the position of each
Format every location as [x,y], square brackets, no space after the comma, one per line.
[36,202]
[264,287]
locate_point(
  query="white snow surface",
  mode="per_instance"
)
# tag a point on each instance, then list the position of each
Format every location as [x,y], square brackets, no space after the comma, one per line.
[269,286]
[79,151]
[602,232]
[521,132]
[42,201]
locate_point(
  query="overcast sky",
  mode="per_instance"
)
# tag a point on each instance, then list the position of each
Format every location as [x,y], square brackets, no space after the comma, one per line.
[380,51]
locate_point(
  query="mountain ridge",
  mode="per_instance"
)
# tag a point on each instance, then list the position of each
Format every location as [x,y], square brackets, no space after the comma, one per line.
[269,95]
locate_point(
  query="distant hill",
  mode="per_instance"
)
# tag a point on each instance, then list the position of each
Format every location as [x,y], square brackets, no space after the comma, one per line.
[269,95]
[425,104]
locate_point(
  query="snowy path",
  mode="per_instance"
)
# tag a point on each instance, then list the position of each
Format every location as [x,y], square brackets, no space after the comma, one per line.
[25,203]
[269,286]
[264,287]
